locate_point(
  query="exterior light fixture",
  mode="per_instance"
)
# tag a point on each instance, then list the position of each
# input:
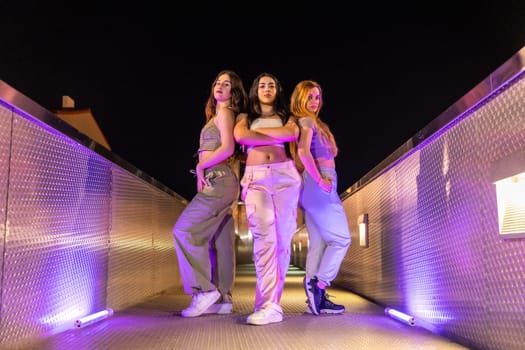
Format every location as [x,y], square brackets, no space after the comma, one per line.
[362,221]
[93,318]
[400,316]
[508,174]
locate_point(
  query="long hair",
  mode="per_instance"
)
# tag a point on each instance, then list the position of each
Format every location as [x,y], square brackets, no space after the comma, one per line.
[279,105]
[239,98]
[239,104]
[298,102]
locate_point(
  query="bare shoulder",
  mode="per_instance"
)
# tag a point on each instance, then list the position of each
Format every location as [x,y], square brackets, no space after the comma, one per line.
[241,116]
[292,121]
[225,112]
[306,122]
[224,115]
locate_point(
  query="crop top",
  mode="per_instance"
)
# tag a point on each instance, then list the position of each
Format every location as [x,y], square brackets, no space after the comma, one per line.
[266,123]
[210,137]
[317,148]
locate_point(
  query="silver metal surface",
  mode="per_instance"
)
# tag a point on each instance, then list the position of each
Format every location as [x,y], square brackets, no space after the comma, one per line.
[79,233]
[157,324]
[435,250]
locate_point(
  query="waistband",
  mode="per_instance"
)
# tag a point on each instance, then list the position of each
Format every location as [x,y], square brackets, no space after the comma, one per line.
[222,167]
[327,170]
[218,169]
[281,165]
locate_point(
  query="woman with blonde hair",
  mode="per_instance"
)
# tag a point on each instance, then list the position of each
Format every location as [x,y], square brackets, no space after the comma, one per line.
[324,214]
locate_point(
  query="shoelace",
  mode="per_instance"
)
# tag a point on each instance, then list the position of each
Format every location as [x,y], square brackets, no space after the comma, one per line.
[194,299]
[327,296]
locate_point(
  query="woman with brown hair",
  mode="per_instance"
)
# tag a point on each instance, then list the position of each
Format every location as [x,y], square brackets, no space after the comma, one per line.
[270,190]
[204,232]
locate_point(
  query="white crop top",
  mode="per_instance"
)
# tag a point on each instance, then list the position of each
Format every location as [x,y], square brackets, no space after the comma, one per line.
[260,123]
[266,123]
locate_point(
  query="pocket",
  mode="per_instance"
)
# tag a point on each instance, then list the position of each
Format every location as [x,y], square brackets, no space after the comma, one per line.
[250,211]
[290,175]
[214,176]
[245,183]
[247,178]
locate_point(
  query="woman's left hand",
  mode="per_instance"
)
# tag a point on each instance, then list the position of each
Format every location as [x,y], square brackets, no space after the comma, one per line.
[325,184]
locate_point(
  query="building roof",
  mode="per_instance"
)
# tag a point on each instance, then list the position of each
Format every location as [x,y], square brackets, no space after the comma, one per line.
[84,121]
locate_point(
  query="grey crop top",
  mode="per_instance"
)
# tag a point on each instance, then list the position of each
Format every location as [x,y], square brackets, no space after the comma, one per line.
[210,138]
[317,148]
[266,123]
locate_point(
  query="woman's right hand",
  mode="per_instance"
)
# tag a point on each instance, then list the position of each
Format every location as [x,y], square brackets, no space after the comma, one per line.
[202,181]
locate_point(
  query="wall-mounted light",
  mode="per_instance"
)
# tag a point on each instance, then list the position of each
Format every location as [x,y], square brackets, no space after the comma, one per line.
[362,221]
[90,319]
[508,174]
[400,316]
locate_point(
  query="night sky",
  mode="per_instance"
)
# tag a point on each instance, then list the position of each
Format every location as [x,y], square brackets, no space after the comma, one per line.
[145,69]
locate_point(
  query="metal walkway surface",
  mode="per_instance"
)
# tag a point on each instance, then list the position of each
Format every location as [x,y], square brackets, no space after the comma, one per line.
[157,324]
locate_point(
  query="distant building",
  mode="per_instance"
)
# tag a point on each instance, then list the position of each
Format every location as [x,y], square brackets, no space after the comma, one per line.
[82,120]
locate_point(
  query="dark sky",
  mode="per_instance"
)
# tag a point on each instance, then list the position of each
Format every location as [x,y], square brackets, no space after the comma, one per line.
[145,69]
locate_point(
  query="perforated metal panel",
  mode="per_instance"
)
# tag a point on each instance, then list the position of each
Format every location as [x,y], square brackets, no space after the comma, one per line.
[80,234]
[435,250]
[5,145]
[56,236]
[142,256]
[82,230]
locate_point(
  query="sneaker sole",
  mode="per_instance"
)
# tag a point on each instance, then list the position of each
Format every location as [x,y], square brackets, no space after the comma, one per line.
[264,322]
[323,311]
[332,312]
[326,311]
[220,309]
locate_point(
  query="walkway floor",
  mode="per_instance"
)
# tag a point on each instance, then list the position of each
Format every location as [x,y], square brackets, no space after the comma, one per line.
[157,324]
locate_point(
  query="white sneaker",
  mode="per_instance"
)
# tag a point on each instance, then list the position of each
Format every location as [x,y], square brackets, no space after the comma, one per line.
[220,308]
[200,302]
[264,316]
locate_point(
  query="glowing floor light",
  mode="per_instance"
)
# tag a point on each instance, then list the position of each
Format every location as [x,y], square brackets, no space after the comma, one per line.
[400,316]
[90,319]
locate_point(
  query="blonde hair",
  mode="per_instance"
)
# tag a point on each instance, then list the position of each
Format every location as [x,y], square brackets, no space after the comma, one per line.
[298,108]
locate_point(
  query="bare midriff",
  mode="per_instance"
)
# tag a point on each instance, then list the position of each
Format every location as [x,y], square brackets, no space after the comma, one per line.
[266,155]
[204,154]
[325,162]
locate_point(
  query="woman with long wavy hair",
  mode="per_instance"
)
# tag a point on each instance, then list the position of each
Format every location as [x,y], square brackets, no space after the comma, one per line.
[324,215]
[204,232]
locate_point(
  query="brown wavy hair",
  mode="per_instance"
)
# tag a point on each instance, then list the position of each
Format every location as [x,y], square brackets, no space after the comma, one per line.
[239,98]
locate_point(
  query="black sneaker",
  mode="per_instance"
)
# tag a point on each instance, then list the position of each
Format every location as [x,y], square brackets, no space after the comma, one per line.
[314,294]
[327,307]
